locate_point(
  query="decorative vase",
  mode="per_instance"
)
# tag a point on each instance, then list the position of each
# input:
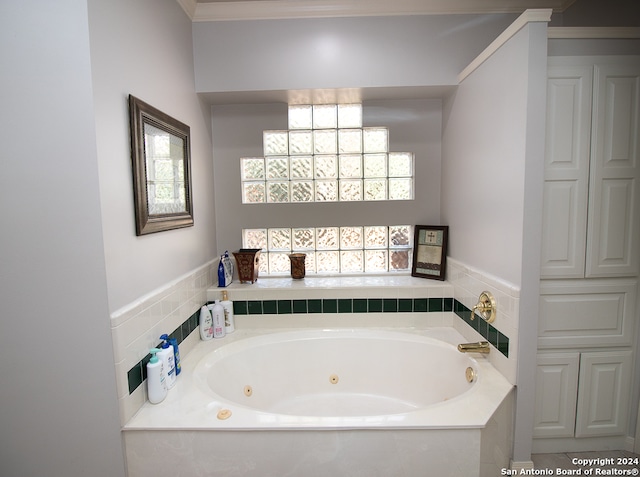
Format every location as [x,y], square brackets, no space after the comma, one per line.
[297,265]
[247,260]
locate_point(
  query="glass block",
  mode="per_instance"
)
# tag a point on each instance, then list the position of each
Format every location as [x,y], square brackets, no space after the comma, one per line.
[399,260]
[326,167]
[349,140]
[302,191]
[350,189]
[400,189]
[277,167]
[280,239]
[252,168]
[301,167]
[375,260]
[279,263]
[327,262]
[400,235]
[304,239]
[375,165]
[351,261]
[326,191]
[375,237]
[349,115]
[300,142]
[400,164]
[325,116]
[375,189]
[350,165]
[351,237]
[310,262]
[253,192]
[375,139]
[276,143]
[254,238]
[263,264]
[277,192]
[325,141]
[327,238]
[300,116]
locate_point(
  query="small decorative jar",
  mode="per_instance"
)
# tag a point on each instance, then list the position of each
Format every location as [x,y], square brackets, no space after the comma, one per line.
[297,265]
[247,260]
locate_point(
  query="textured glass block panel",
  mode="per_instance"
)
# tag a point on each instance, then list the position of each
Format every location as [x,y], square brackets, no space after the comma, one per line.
[310,262]
[349,140]
[301,167]
[277,192]
[327,262]
[375,260]
[400,235]
[300,142]
[277,167]
[325,141]
[350,189]
[326,167]
[304,239]
[279,240]
[375,165]
[325,116]
[326,191]
[263,264]
[300,116]
[376,139]
[351,261]
[302,191]
[375,237]
[276,143]
[375,189]
[327,238]
[350,165]
[400,189]
[279,263]
[254,238]
[400,164]
[349,115]
[399,260]
[351,237]
[252,168]
[253,192]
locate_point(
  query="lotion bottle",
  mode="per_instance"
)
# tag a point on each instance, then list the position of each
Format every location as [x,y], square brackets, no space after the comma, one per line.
[168,361]
[227,305]
[217,312]
[206,324]
[156,384]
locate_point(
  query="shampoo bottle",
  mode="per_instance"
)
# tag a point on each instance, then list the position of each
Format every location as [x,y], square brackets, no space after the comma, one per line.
[227,305]
[156,384]
[206,324]
[176,352]
[217,312]
[168,361]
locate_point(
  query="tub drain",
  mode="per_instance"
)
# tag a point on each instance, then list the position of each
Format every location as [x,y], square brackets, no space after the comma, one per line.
[470,374]
[333,379]
[224,414]
[248,391]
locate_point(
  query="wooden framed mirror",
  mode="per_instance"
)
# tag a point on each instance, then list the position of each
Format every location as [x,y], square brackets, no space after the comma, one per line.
[161,161]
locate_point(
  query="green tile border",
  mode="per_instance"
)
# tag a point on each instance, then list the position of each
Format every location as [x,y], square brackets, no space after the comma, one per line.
[487,330]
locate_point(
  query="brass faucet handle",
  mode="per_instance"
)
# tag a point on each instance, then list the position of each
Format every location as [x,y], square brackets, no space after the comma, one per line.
[486,306]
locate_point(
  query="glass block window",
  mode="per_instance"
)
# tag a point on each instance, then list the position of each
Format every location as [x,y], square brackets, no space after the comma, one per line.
[353,249]
[326,155]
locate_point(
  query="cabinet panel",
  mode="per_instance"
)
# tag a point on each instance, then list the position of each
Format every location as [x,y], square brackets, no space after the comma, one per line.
[556,393]
[603,399]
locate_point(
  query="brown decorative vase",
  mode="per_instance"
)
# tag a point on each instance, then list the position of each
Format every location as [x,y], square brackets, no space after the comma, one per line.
[247,260]
[297,265]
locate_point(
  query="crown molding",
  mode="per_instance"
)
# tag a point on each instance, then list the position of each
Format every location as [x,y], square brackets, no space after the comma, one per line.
[189,6]
[593,32]
[287,9]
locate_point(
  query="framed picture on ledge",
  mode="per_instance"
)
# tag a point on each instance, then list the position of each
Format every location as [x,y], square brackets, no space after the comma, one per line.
[430,251]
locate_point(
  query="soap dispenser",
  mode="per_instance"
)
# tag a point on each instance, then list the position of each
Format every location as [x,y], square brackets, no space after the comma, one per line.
[156,384]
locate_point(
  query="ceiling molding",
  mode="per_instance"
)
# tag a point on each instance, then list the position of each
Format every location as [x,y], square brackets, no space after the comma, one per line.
[189,6]
[288,9]
[593,32]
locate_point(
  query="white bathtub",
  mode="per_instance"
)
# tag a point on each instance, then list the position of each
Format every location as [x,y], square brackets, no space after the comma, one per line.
[323,401]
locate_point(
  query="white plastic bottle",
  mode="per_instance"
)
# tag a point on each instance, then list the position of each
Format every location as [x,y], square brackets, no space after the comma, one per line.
[217,312]
[168,361]
[227,305]
[156,384]
[206,324]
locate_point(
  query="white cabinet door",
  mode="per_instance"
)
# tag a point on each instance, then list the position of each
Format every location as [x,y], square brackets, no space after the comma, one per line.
[556,393]
[614,198]
[603,396]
